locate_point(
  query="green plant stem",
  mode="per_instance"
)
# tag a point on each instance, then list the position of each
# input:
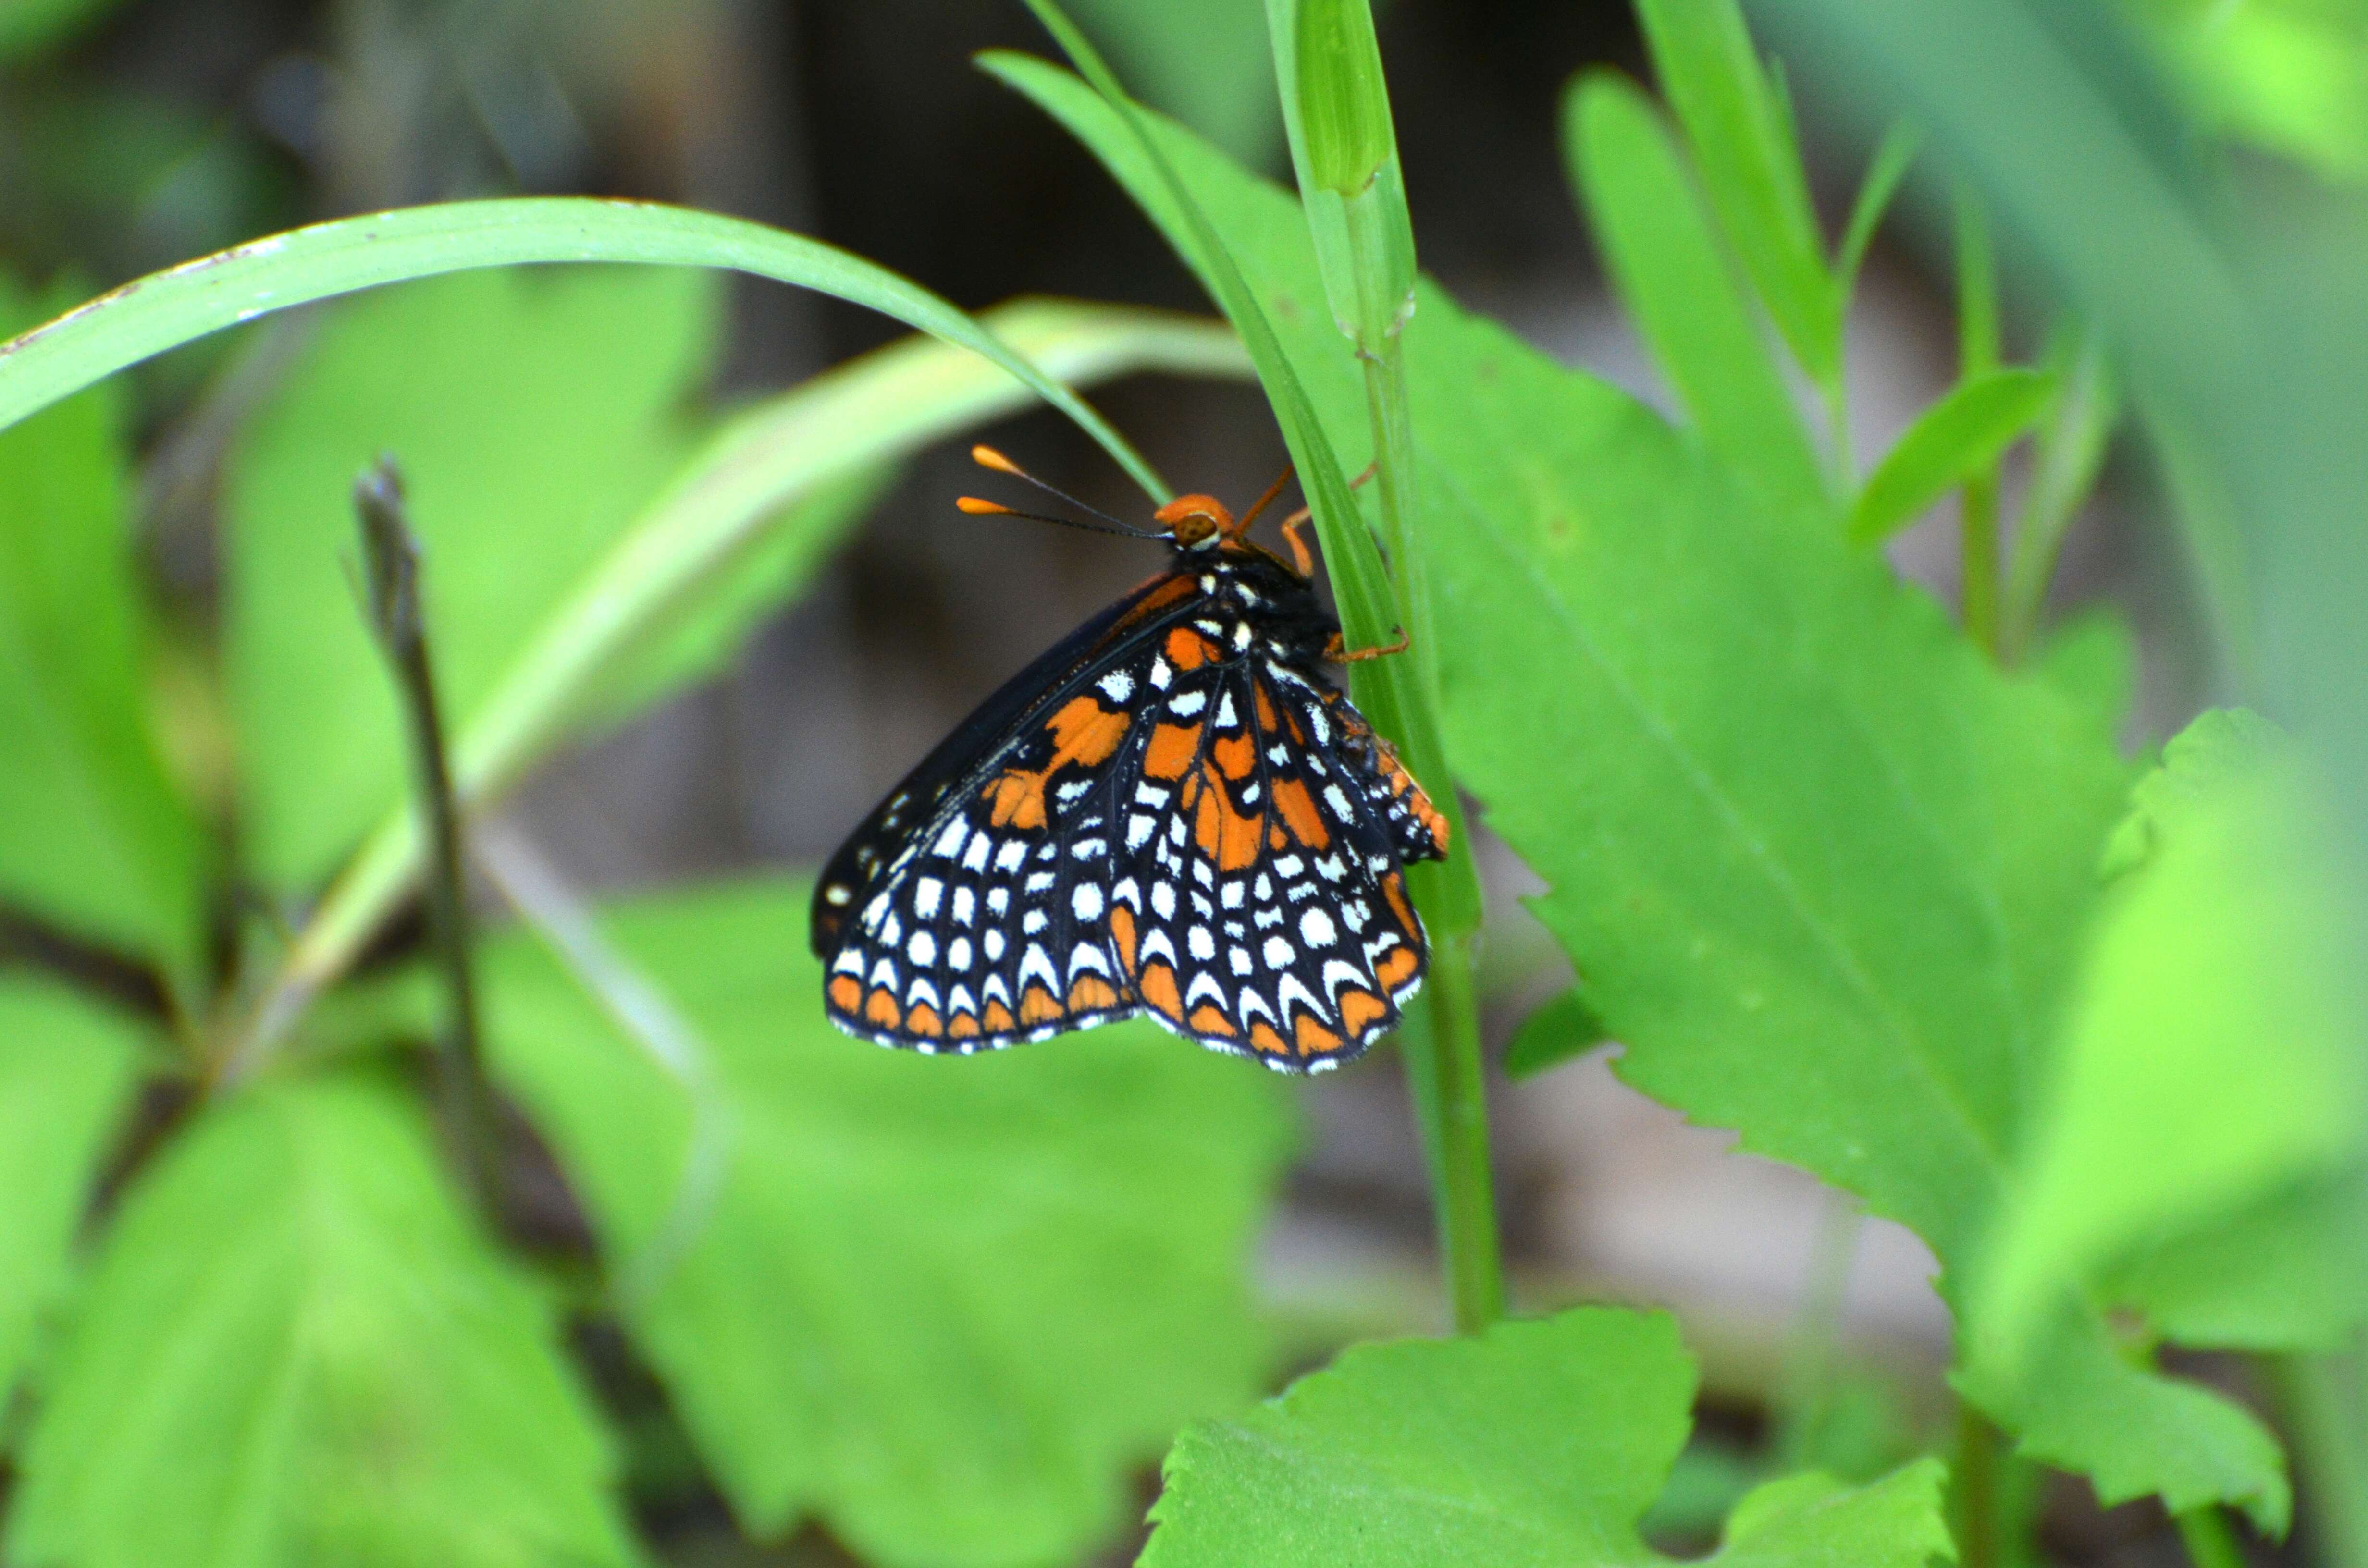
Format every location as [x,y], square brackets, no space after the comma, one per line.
[1440,1044]
[1974,1491]
[2210,1542]
[390,571]
[1977,352]
[2326,1408]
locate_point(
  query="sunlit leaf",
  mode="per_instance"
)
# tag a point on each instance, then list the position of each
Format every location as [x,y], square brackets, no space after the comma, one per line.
[1536,1443]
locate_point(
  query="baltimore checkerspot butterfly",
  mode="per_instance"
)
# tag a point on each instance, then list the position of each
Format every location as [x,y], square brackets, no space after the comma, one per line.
[1172,813]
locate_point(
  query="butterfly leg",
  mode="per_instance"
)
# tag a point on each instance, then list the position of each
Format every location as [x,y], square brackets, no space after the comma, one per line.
[1340,653]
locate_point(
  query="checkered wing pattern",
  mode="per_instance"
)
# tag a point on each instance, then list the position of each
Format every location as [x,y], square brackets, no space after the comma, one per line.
[1184,825]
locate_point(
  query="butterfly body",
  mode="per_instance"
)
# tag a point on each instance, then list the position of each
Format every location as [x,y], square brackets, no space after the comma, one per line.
[1172,813]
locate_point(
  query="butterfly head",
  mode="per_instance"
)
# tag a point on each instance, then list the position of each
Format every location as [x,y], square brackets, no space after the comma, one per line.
[1197,522]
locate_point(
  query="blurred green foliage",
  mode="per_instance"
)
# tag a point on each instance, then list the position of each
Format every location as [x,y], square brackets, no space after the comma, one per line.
[1875,890]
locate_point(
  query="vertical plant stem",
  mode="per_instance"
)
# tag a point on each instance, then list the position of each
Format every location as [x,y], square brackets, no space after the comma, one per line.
[1977,352]
[390,564]
[2210,1542]
[2324,1402]
[1974,1494]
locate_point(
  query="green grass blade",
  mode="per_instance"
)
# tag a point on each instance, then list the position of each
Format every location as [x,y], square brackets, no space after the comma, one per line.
[166,308]
[1740,132]
[1892,158]
[1679,290]
[727,504]
[1955,438]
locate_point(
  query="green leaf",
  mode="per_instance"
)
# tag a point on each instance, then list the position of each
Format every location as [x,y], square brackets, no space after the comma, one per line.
[1680,290]
[1739,134]
[1539,1442]
[1809,911]
[294,1349]
[66,1073]
[93,837]
[1950,442]
[531,416]
[1563,1028]
[166,310]
[942,1304]
[759,498]
[2209,1064]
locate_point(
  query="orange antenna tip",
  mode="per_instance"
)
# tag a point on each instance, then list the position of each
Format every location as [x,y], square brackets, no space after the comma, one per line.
[978,508]
[987,457]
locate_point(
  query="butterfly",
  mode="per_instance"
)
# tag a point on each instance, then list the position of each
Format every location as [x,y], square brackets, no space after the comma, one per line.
[1173,813]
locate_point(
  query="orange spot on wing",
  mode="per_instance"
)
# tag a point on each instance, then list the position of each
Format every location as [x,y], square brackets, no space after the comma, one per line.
[882,1008]
[924,1020]
[1172,749]
[1091,995]
[963,1027]
[1298,809]
[1207,1020]
[997,1017]
[1314,1040]
[1187,649]
[1158,988]
[1039,1007]
[1398,968]
[1234,756]
[846,992]
[1121,924]
[1263,1039]
[1359,1007]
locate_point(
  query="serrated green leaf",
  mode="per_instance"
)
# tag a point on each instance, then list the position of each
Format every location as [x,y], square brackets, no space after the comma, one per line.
[1539,1442]
[93,836]
[2209,1064]
[1679,288]
[940,1304]
[1562,1028]
[1952,441]
[1808,911]
[1738,130]
[531,416]
[295,1348]
[67,1067]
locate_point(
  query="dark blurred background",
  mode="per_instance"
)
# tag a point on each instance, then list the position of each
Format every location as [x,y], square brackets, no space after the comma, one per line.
[138,133]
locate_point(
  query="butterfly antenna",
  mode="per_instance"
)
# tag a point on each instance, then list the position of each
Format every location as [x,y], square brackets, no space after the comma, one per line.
[987,457]
[981,508]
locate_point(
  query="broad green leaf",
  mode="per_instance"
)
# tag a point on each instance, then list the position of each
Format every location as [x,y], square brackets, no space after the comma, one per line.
[151,314]
[1657,243]
[1563,1028]
[756,509]
[941,1305]
[1810,912]
[2210,1064]
[66,1071]
[93,836]
[1738,130]
[295,1348]
[1957,438]
[1538,1442]
[531,416]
